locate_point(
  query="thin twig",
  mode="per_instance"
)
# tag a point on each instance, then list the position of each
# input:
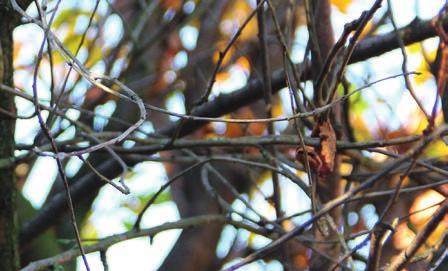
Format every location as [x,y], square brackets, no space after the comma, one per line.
[267,87]
[336,202]
[406,255]
[48,134]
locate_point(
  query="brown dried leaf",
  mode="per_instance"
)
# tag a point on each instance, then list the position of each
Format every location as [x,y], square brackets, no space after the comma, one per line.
[313,158]
[327,149]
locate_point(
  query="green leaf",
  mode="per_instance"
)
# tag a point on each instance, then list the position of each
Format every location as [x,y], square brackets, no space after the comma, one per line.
[128,225]
[69,16]
[412,227]
[143,199]
[162,198]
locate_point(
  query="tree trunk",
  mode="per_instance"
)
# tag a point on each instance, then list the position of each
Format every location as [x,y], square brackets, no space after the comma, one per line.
[8,222]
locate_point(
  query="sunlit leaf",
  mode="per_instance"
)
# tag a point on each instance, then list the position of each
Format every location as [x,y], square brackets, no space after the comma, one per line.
[257,128]
[301,261]
[16,52]
[227,57]
[342,5]
[234,130]
[96,54]
[234,16]
[436,236]
[403,236]
[414,48]
[173,4]
[360,128]
[128,225]
[437,149]
[345,168]
[277,108]
[69,16]
[425,74]
[244,63]
[397,133]
[358,104]
[222,76]
[162,198]
[89,231]
[421,204]
[367,29]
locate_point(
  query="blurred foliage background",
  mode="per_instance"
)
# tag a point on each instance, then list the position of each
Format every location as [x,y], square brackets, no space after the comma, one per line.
[170,53]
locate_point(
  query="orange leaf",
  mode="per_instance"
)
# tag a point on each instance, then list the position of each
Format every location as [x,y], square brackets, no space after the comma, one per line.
[301,261]
[227,57]
[256,128]
[174,4]
[244,63]
[235,14]
[234,130]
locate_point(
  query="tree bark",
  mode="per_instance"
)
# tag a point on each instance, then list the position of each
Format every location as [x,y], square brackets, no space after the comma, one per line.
[9,258]
[329,187]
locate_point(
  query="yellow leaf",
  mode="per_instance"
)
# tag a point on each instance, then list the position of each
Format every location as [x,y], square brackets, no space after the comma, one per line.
[423,67]
[437,149]
[366,29]
[425,75]
[95,55]
[435,237]
[345,169]
[414,48]
[16,51]
[360,128]
[277,109]
[342,5]
[89,231]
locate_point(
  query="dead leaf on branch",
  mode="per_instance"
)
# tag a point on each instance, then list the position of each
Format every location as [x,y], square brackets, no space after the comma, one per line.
[327,148]
[313,158]
[321,158]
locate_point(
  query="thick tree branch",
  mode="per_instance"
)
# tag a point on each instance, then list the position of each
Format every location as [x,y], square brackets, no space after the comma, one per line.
[9,257]
[152,145]
[105,243]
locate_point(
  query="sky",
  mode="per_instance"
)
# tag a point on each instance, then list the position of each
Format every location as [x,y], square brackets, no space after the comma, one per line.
[108,212]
